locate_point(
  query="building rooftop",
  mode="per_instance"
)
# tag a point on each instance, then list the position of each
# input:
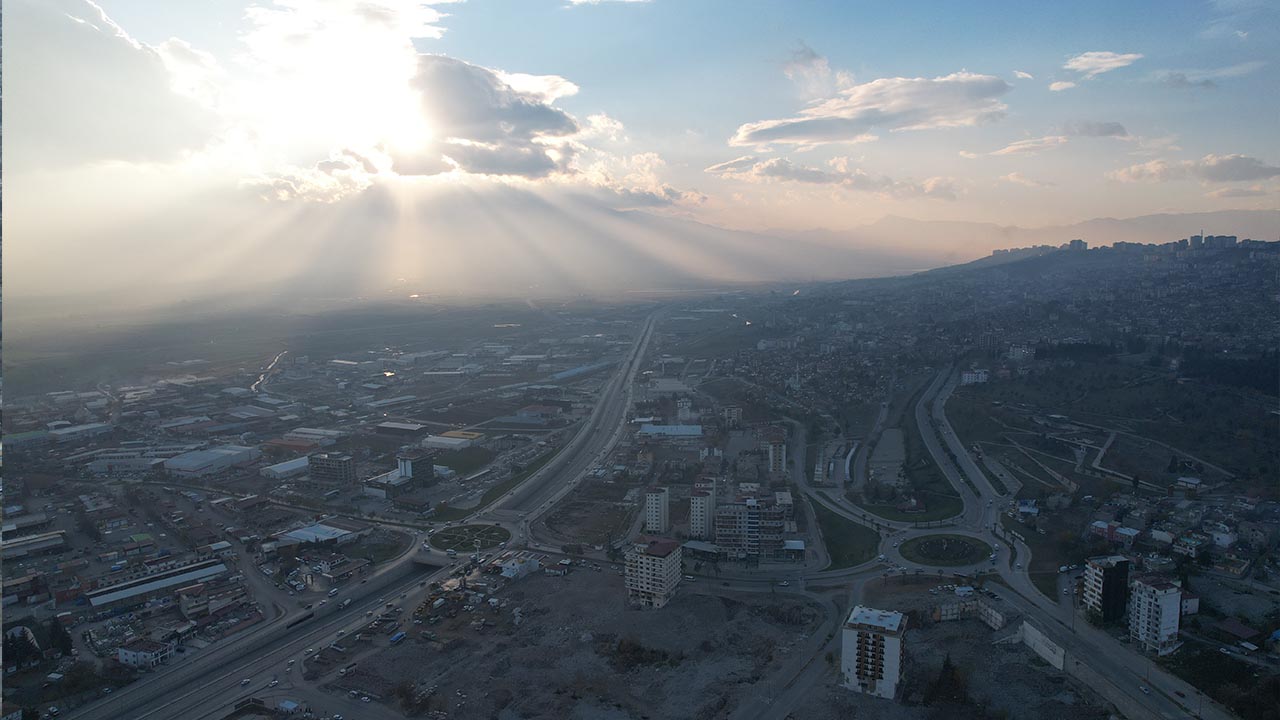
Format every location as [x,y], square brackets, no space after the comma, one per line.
[657,547]
[881,620]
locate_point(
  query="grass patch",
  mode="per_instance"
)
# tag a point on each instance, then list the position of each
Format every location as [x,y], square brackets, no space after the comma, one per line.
[945,550]
[1227,680]
[848,543]
[938,506]
[448,514]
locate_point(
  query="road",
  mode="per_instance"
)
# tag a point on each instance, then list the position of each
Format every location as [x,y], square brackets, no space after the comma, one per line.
[211,679]
[589,447]
[1123,672]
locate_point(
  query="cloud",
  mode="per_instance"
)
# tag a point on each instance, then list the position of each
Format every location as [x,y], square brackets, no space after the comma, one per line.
[1210,168]
[1206,79]
[968,155]
[1183,82]
[1019,179]
[1087,128]
[841,174]
[956,100]
[88,92]
[1235,192]
[1034,145]
[345,173]
[1092,64]
[601,2]
[485,125]
[1234,168]
[1023,75]
[1061,85]
[811,72]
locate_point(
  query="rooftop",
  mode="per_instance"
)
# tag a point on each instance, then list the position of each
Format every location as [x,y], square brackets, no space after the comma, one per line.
[882,620]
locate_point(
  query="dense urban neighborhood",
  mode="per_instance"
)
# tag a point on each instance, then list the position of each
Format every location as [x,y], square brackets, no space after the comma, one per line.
[1038,485]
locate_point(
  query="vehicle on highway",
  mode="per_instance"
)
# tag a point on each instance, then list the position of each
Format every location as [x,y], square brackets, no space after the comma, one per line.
[273,683]
[365,699]
[1145,690]
[785,583]
[244,682]
[308,651]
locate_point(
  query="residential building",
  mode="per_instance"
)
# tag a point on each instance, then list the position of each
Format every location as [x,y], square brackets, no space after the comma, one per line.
[701,515]
[1106,586]
[332,468]
[872,653]
[657,512]
[750,528]
[775,447]
[1155,607]
[653,571]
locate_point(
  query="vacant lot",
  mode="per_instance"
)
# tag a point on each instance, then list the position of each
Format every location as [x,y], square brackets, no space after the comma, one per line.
[580,652]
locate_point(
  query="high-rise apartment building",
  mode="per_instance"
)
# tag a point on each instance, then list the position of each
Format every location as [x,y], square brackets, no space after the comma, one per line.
[750,528]
[1155,606]
[775,446]
[871,652]
[702,507]
[657,512]
[1106,586]
[653,571]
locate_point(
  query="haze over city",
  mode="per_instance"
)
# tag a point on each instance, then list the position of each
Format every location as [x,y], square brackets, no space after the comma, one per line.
[640,359]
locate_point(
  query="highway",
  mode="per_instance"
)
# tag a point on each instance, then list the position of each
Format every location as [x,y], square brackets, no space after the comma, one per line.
[209,682]
[591,445]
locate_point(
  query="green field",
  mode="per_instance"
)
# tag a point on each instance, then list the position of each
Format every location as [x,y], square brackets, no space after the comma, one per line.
[449,513]
[848,543]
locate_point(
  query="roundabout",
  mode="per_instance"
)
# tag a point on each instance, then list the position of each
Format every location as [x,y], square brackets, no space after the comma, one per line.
[945,550]
[470,537]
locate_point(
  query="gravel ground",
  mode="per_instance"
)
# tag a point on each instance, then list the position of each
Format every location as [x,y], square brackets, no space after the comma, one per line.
[580,652]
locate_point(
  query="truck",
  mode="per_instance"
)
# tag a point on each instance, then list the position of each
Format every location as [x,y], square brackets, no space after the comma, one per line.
[347,669]
[398,638]
[345,603]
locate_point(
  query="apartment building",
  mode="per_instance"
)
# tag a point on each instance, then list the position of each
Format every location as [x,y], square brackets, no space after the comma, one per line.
[701,515]
[657,510]
[1155,606]
[750,528]
[1106,586]
[872,653]
[332,468]
[653,571]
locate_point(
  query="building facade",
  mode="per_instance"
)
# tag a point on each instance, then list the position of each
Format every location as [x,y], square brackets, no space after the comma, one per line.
[653,571]
[872,654]
[1155,607]
[701,515]
[332,468]
[657,510]
[1106,586]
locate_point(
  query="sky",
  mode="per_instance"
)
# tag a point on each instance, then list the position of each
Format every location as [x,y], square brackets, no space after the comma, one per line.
[520,143]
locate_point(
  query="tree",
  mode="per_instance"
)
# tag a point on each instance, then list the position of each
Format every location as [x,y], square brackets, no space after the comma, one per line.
[58,637]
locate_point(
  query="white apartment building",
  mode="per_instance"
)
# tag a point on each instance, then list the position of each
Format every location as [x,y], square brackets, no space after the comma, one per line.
[871,652]
[1106,586]
[657,512]
[1155,606]
[702,513]
[653,571]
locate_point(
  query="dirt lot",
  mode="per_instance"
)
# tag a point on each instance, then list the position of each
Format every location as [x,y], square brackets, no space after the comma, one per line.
[567,658]
[595,514]
[998,681]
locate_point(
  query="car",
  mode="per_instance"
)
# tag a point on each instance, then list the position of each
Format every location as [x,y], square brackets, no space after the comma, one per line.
[881,558]
[245,681]
[308,651]
[1066,591]
[1224,651]
[1179,693]
[341,633]
[273,683]
[292,661]
[1145,690]
[365,699]
[1018,566]
[785,583]
[368,613]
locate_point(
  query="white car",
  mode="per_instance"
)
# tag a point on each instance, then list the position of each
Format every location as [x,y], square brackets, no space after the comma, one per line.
[274,683]
[244,682]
